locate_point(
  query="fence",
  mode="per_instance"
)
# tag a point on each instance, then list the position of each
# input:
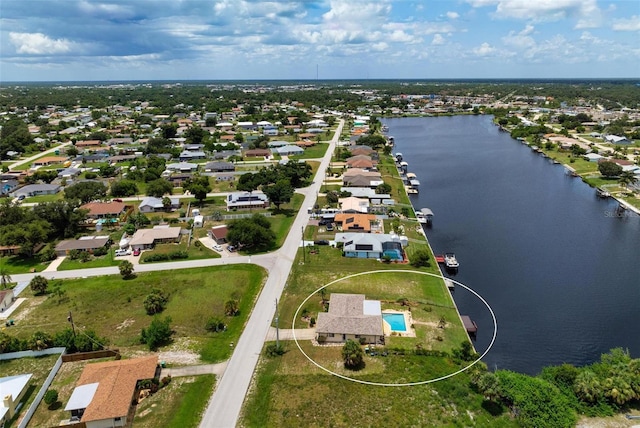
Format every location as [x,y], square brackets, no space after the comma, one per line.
[47,383]
[81,356]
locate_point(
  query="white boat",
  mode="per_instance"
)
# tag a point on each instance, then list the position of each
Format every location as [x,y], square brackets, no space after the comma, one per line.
[124,241]
[450,261]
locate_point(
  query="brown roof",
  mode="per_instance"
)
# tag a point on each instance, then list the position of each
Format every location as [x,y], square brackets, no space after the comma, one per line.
[103,208]
[49,159]
[360,222]
[219,232]
[88,143]
[116,384]
[257,152]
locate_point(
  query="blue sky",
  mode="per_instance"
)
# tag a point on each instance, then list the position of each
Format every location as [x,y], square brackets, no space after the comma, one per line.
[52,40]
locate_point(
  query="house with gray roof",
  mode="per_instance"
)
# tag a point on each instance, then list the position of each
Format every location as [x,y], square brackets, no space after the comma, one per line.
[219,167]
[85,243]
[37,189]
[350,316]
[152,204]
[287,150]
[188,155]
[182,167]
[372,245]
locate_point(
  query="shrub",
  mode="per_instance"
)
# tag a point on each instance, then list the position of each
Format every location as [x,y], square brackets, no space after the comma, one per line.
[312,322]
[100,251]
[74,254]
[51,397]
[273,350]
[362,340]
[157,334]
[39,285]
[322,339]
[165,380]
[215,324]
[47,254]
[155,302]
[174,255]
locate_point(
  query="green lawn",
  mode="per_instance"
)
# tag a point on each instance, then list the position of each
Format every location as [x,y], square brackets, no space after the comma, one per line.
[95,262]
[313,152]
[290,392]
[114,308]
[179,404]
[45,198]
[196,250]
[20,264]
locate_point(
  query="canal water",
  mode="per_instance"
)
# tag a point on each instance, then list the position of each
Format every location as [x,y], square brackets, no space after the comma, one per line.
[559,266]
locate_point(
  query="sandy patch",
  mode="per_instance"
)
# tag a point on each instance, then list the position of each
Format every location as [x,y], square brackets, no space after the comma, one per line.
[180,352]
[126,323]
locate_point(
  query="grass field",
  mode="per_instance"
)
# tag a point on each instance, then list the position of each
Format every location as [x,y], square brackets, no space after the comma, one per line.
[313,152]
[114,307]
[18,264]
[39,367]
[293,393]
[179,404]
[195,251]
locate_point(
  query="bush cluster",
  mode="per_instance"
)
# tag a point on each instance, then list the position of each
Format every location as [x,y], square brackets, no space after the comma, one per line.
[174,255]
[86,341]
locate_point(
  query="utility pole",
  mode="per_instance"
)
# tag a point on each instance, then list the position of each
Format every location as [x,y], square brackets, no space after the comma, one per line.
[277,329]
[73,327]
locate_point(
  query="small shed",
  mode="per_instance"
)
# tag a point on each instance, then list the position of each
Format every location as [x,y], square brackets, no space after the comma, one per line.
[198,221]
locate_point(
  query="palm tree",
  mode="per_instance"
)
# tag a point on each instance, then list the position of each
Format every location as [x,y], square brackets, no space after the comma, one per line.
[587,386]
[5,278]
[626,178]
[231,308]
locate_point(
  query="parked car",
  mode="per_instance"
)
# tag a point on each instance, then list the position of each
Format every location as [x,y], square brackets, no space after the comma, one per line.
[217,247]
[321,242]
[231,248]
[122,252]
[329,227]
[136,252]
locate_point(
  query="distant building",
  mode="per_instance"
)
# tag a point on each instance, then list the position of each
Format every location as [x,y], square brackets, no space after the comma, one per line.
[244,200]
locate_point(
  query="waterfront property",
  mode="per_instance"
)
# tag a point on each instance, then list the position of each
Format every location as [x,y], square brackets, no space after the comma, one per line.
[372,245]
[12,389]
[350,316]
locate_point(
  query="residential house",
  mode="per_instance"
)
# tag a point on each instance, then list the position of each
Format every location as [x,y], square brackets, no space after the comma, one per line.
[356,222]
[36,190]
[372,245]
[277,143]
[69,173]
[288,150]
[12,390]
[593,157]
[225,176]
[88,144]
[354,205]
[356,177]
[254,153]
[6,299]
[188,155]
[121,140]
[248,126]
[219,167]
[152,204]
[350,316]
[361,161]
[147,238]
[182,167]
[97,210]
[242,200]
[85,243]
[49,160]
[105,392]
[616,139]
[177,180]
[218,234]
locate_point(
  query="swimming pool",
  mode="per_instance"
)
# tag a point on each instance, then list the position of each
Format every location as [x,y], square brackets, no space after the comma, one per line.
[396,321]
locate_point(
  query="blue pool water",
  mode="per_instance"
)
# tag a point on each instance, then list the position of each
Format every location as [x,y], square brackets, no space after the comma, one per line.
[394,254]
[396,321]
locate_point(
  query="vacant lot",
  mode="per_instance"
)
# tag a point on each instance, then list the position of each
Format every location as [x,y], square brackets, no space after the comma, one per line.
[114,307]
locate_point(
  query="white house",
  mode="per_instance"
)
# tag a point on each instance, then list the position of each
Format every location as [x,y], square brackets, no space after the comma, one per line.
[6,298]
[371,245]
[152,204]
[593,157]
[12,389]
[616,139]
[241,200]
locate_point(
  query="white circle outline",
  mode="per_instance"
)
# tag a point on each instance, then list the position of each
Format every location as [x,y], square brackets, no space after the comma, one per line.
[364,382]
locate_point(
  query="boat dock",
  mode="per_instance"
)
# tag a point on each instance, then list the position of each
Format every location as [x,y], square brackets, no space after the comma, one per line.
[469,325]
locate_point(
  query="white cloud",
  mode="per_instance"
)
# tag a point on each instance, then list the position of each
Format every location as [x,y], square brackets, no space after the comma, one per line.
[484,49]
[438,40]
[453,15]
[586,11]
[521,40]
[631,24]
[38,44]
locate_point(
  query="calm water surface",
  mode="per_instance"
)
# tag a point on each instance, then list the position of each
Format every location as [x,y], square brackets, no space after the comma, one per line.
[559,267]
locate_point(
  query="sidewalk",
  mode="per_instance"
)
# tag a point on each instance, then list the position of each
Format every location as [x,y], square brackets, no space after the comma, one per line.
[216,369]
[53,266]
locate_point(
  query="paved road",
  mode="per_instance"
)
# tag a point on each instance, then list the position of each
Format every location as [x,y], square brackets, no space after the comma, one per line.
[225,404]
[36,156]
